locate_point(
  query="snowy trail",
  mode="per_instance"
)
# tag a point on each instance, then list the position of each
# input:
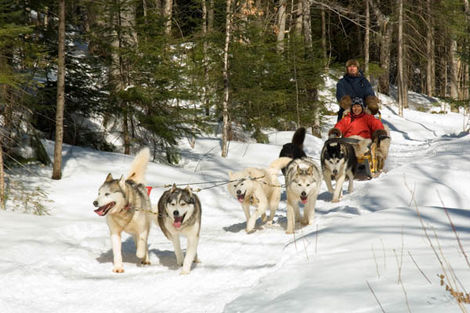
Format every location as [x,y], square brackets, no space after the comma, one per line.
[62,262]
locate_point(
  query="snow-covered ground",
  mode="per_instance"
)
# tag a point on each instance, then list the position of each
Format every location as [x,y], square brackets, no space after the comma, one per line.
[371,252]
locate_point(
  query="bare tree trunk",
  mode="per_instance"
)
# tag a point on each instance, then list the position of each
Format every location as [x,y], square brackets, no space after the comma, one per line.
[59,118]
[228,31]
[307,25]
[402,92]
[366,41]
[281,20]
[385,47]
[167,13]
[205,57]
[323,39]
[429,51]
[299,18]
[443,73]
[210,16]
[454,69]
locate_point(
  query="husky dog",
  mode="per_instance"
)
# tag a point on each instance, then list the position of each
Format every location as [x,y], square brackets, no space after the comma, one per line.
[126,205]
[303,180]
[338,161]
[259,188]
[179,213]
[379,149]
[294,149]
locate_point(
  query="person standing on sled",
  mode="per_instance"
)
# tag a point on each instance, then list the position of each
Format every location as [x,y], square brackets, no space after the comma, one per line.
[354,84]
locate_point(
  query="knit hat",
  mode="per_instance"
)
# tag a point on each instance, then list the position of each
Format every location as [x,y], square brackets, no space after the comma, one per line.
[352,62]
[358,100]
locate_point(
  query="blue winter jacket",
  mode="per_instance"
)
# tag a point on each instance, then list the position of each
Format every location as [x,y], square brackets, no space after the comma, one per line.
[354,86]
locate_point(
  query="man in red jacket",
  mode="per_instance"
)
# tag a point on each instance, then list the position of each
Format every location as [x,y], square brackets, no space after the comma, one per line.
[358,123]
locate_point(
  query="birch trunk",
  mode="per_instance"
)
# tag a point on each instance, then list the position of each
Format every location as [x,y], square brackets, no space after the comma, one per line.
[429,52]
[454,69]
[228,30]
[367,41]
[167,13]
[59,119]
[385,47]
[323,39]
[307,25]
[281,18]
[298,19]
[205,58]
[402,92]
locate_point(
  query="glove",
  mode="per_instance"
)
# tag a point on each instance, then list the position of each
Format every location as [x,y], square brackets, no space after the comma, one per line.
[345,102]
[372,103]
[334,133]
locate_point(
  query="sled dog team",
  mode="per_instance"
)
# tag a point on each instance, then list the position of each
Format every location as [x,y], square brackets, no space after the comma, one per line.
[126,205]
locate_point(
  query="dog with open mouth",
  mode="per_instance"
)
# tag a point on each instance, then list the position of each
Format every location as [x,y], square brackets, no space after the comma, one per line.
[303,181]
[179,213]
[259,188]
[126,206]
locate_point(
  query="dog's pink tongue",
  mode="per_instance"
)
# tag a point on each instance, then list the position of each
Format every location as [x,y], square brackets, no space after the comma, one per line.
[241,198]
[99,211]
[303,200]
[177,222]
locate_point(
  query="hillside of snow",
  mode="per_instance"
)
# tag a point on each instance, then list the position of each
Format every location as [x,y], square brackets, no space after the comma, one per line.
[380,249]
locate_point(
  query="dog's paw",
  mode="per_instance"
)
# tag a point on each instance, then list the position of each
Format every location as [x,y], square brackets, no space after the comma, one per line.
[270,222]
[145,262]
[118,269]
[289,232]
[249,231]
[185,272]
[335,200]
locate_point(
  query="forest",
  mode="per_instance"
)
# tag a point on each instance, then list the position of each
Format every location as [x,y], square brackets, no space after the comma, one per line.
[158,71]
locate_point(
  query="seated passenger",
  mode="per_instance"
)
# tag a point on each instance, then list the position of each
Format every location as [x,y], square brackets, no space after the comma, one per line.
[358,123]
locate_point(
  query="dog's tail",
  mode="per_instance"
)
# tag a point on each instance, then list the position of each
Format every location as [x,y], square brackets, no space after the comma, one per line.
[139,165]
[280,163]
[299,137]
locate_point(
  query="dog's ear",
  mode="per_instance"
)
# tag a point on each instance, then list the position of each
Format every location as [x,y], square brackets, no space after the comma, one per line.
[122,182]
[230,174]
[334,133]
[299,171]
[108,178]
[173,188]
[189,190]
[310,171]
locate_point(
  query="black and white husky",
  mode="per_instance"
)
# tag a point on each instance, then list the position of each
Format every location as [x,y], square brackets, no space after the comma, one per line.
[303,180]
[179,213]
[338,162]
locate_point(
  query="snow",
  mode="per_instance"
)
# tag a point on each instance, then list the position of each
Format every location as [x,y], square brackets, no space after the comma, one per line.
[366,252]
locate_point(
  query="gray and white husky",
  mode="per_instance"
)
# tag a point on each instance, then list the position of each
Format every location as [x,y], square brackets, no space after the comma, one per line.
[303,181]
[126,205]
[338,162]
[179,213]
